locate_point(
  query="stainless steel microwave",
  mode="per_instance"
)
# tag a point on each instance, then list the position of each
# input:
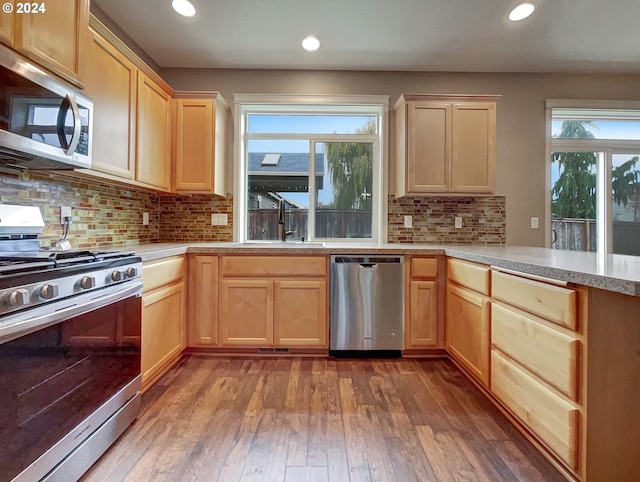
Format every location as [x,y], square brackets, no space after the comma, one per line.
[44,123]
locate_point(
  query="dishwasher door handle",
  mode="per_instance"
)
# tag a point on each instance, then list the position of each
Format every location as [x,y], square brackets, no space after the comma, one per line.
[368,265]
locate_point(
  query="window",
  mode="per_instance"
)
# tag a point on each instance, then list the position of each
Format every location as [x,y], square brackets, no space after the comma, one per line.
[595,178]
[320,157]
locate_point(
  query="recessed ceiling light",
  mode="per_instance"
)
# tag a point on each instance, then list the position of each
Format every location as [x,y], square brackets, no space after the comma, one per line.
[521,12]
[184,7]
[310,43]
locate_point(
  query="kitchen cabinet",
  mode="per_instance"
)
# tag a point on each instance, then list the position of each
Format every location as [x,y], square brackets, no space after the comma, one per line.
[53,37]
[270,301]
[246,312]
[300,313]
[535,354]
[111,82]
[153,147]
[132,112]
[163,317]
[467,319]
[203,286]
[200,140]
[445,145]
[422,313]
[6,28]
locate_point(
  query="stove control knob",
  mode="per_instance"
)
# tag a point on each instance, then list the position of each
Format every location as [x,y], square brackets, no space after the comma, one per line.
[116,275]
[132,272]
[49,291]
[18,298]
[87,282]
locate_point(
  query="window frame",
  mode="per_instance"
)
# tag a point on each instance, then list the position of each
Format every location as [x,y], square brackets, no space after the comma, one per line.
[378,105]
[604,148]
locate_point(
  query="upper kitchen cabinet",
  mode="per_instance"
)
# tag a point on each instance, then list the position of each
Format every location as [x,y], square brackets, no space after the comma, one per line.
[200,120]
[445,145]
[132,140]
[110,79]
[6,29]
[153,147]
[50,33]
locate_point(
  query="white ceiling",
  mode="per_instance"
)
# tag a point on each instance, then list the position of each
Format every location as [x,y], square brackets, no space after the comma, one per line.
[413,35]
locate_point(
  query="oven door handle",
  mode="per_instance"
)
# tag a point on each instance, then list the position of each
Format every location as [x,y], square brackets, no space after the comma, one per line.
[16,325]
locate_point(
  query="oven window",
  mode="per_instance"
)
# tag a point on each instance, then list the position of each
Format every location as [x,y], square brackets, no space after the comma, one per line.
[52,379]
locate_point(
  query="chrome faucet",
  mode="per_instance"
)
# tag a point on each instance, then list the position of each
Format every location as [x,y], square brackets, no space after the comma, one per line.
[282,214]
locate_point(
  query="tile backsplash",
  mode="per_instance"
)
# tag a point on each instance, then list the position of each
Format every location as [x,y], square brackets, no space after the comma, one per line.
[483,220]
[104,215]
[188,218]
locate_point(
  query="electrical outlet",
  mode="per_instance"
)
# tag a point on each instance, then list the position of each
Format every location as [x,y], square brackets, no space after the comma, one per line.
[145,219]
[458,223]
[65,212]
[408,221]
[534,222]
[219,219]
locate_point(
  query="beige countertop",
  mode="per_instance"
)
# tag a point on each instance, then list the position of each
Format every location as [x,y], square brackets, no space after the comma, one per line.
[616,273]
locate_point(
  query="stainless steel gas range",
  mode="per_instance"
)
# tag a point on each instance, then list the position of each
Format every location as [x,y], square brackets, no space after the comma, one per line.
[70,326]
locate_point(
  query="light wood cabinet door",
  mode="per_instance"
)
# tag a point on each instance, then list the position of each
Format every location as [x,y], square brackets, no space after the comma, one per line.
[202,328]
[553,419]
[468,330]
[428,146]
[110,81]
[153,148]
[163,329]
[423,315]
[200,136]
[6,28]
[53,38]
[300,313]
[473,134]
[246,312]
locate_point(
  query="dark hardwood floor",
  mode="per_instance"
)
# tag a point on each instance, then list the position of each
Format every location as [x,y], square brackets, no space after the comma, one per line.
[297,419]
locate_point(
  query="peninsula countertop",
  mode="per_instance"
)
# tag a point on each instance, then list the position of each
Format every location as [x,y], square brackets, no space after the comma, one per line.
[617,273]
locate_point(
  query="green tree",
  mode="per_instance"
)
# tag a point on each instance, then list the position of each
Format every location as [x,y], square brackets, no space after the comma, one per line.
[351,169]
[574,193]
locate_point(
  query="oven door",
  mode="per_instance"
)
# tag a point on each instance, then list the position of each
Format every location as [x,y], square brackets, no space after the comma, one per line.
[64,370]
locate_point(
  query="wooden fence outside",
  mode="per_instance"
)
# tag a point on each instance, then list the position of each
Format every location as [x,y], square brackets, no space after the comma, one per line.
[580,235]
[330,223]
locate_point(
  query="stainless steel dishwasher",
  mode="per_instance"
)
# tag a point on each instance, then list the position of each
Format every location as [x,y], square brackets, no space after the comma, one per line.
[367,305]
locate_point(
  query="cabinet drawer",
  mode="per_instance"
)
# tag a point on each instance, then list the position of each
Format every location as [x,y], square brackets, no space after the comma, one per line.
[554,303]
[272,266]
[162,272]
[424,268]
[554,420]
[471,275]
[551,355]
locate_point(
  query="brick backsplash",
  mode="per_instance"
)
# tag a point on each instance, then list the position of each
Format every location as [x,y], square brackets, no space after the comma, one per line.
[188,218]
[104,215]
[107,215]
[483,220]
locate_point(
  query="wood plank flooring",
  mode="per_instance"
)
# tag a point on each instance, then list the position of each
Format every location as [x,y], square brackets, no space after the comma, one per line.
[297,419]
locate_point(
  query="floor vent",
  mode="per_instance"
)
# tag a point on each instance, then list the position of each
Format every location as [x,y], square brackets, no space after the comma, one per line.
[273,350]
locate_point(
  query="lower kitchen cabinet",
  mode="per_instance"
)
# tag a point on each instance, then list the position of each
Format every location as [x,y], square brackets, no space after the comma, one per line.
[422,302]
[246,312]
[468,330]
[202,327]
[553,419]
[163,317]
[300,313]
[422,330]
[272,301]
